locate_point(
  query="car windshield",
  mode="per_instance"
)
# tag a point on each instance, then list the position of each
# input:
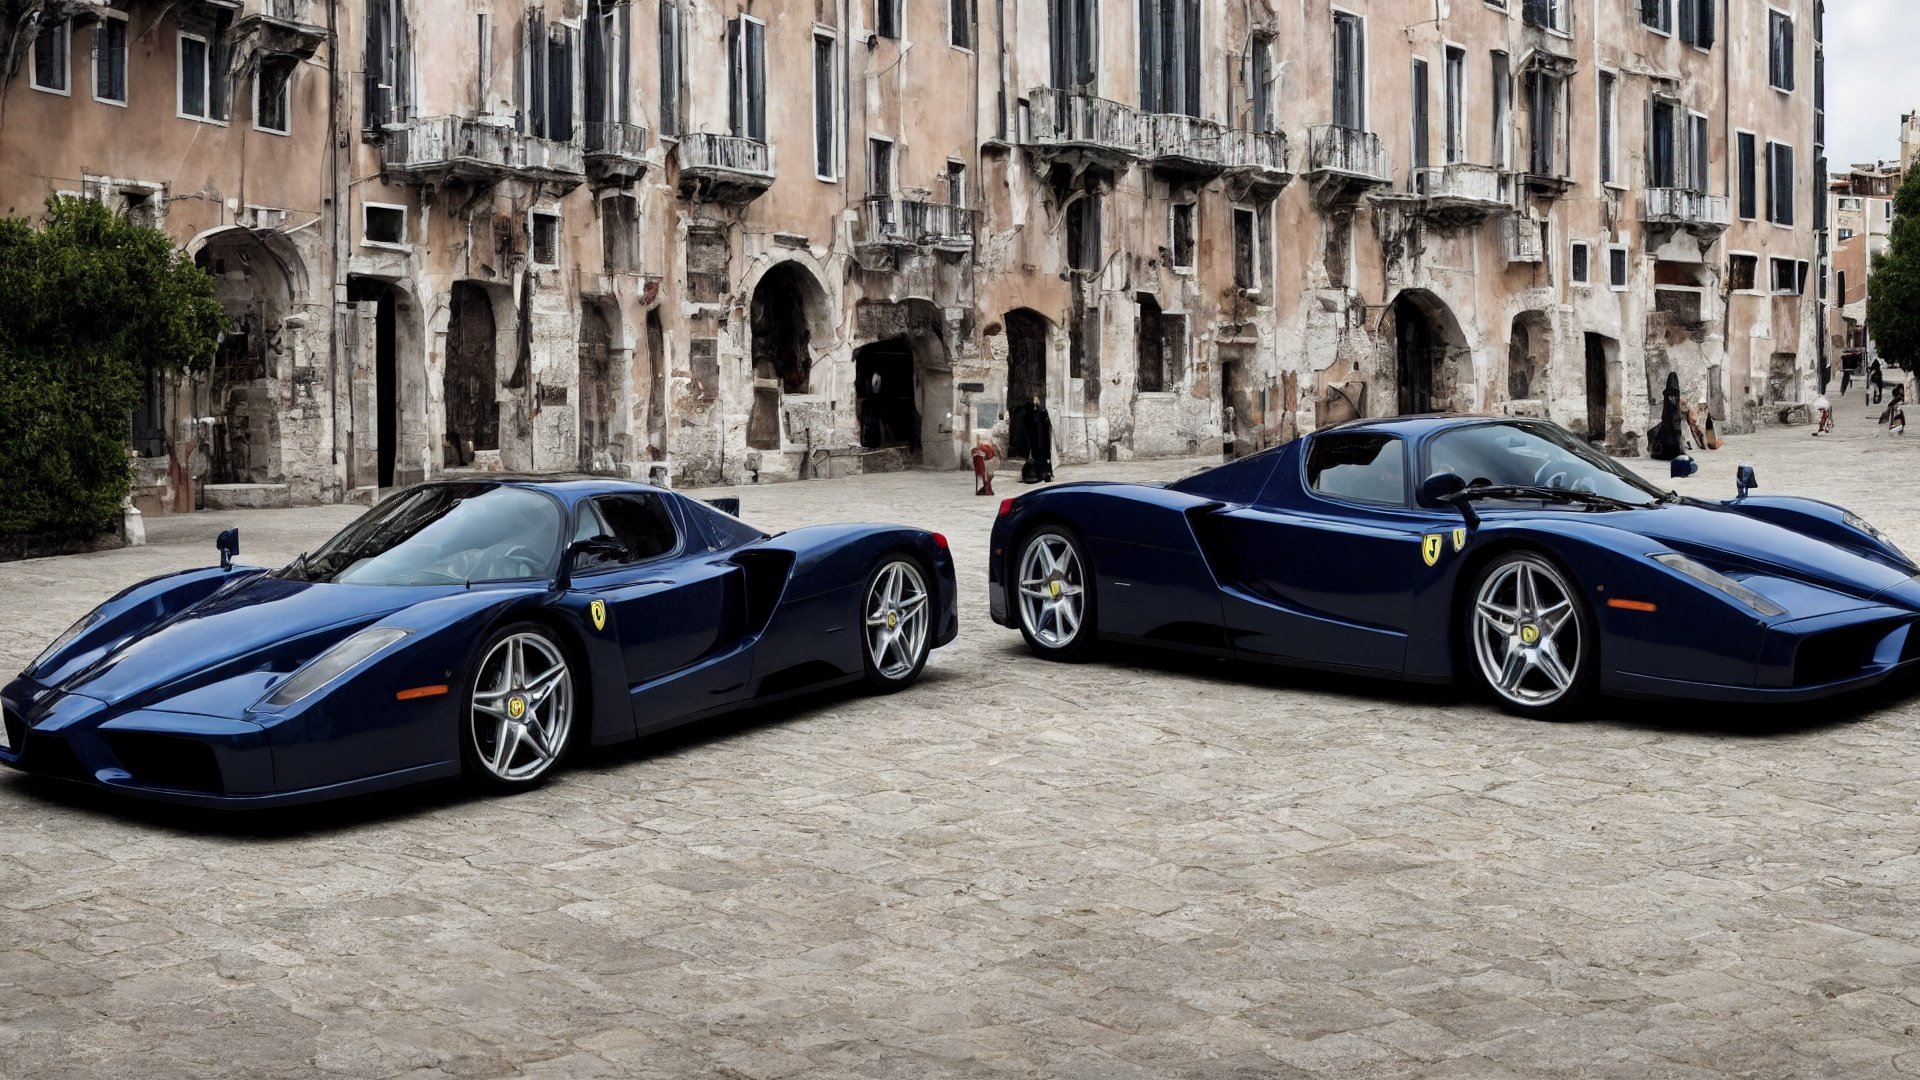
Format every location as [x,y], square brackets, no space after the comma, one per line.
[442,534]
[1534,455]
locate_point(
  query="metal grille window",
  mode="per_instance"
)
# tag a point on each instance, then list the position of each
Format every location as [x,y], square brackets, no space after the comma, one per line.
[110,60]
[1780,50]
[1349,71]
[747,78]
[1170,56]
[52,53]
[546,238]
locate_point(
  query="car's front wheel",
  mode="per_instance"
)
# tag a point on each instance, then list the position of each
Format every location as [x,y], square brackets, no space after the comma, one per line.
[1534,644]
[1054,589]
[898,616]
[520,709]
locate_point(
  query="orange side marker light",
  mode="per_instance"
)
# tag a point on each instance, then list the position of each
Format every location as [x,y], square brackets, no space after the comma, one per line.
[420,692]
[1632,605]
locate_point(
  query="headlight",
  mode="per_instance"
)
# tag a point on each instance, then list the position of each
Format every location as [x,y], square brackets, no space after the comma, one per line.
[1855,521]
[86,622]
[332,664]
[1713,579]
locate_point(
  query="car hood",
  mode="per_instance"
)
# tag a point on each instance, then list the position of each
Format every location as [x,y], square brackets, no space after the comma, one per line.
[265,623]
[1729,539]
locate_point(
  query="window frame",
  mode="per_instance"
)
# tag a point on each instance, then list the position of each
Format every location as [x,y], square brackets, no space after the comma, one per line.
[834,143]
[1747,174]
[533,238]
[1362,96]
[1666,27]
[1606,98]
[964,26]
[1580,262]
[403,244]
[1254,283]
[126,57]
[739,81]
[590,506]
[1752,290]
[64,30]
[1454,96]
[1775,176]
[286,99]
[1406,471]
[1192,207]
[1626,267]
[889,15]
[205,42]
[1775,17]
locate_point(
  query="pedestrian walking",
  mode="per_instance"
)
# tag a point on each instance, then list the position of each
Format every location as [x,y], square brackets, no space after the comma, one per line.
[1876,380]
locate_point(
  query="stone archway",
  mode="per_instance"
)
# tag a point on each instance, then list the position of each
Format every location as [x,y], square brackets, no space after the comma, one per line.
[1528,349]
[472,385]
[1027,348]
[788,304]
[1433,371]
[252,285]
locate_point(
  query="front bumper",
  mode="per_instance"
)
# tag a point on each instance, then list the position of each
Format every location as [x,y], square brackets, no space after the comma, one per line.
[1803,660]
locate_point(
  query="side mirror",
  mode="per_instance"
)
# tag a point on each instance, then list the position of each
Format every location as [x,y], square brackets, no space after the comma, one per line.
[228,545]
[599,549]
[1744,480]
[1441,486]
[1683,466]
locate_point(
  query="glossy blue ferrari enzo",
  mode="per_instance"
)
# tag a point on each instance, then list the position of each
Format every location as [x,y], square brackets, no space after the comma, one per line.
[1524,561]
[483,627]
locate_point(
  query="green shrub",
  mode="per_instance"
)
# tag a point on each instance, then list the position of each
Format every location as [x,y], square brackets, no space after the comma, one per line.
[89,304]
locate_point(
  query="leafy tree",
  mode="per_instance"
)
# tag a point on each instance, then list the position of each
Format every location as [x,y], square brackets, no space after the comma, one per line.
[90,303]
[1893,300]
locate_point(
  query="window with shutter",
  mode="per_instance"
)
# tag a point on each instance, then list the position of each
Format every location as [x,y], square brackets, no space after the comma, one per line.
[1349,72]
[1420,119]
[1609,120]
[669,69]
[1749,195]
[1780,50]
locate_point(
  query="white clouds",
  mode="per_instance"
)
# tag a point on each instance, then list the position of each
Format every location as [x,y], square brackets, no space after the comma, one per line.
[1873,76]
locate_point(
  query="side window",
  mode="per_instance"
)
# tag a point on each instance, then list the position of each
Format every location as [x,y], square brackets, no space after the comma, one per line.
[1362,467]
[641,522]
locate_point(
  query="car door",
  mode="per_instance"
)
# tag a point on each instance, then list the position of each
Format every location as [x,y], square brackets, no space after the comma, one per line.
[677,609]
[1328,557]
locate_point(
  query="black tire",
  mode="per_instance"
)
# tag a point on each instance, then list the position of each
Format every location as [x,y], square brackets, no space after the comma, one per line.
[1514,637]
[535,744]
[897,608]
[1055,626]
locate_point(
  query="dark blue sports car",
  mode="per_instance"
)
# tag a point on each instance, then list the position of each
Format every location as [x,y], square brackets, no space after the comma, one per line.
[1501,552]
[480,627]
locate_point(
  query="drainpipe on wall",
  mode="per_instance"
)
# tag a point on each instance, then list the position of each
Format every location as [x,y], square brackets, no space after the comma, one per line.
[337,161]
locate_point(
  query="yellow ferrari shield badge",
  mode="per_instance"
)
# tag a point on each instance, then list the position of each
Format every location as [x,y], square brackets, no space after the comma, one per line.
[1430,547]
[1529,634]
[597,611]
[1459,539]
[516,707]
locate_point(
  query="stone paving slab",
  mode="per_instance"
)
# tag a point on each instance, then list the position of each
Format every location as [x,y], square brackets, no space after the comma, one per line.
[1136,867]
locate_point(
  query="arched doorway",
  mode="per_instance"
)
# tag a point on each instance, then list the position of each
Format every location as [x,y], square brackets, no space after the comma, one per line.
[473,374]
[252,286]
[1527,350]
[656,387]
[1603,387]
[596,414]
[886,394]
[780,322]
[1427,342]
[1026,372]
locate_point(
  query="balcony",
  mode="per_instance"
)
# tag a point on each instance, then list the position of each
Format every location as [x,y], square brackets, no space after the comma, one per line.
[1344,163]
[1183,146]
[278,30]
[616,153]
[1678,208]
[1256,162]
[1460,193]
[723,168]
[1080,130]
[893,221]
[435,149]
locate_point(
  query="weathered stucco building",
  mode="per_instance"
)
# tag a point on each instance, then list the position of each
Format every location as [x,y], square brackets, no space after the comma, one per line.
[747,240]
[1860,206]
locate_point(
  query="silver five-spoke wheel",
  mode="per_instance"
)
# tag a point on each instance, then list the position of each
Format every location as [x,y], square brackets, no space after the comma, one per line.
[1527,633]
[522,707]
[897,619]
[1053,590]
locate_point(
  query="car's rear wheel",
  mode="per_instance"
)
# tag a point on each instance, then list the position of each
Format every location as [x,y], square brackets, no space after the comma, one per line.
[520,709]
[1054,588]
[897,617]
[1534,644]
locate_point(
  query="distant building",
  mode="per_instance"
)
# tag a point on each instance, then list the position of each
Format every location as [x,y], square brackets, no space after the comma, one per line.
[744,240]
[1860,203]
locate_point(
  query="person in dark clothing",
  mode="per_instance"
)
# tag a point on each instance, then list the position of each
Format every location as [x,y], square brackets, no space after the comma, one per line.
[1037,438]
[1877,379]
[1665,441]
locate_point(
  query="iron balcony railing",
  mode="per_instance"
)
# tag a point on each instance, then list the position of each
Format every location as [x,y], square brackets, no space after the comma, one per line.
[1187,138]
[1263,151]
[892,219]
[1331,148]
[1071,118]
[711,151]
[1461,182]
[610,138]
[462,144]
[1680,206]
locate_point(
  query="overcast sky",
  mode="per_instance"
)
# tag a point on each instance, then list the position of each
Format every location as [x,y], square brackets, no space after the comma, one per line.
[1873,75]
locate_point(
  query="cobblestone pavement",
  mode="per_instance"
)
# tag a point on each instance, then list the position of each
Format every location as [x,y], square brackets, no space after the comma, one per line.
[1130,868]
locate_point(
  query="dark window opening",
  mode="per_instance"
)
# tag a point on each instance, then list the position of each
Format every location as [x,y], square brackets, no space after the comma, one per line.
[384,225]
[1151,375]
[1083,234]
[546,239]
[1364,468]
[1182,238]
[886,394]
[473,375]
